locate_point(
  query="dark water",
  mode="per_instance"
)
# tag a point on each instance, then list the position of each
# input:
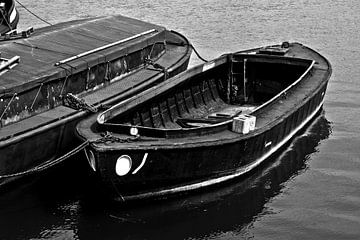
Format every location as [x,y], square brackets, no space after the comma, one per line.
[309,191]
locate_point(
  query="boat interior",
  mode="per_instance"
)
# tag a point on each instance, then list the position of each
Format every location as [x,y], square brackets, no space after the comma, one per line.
[206,98]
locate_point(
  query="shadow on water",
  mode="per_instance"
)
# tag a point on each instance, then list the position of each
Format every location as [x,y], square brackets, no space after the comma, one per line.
[69,204]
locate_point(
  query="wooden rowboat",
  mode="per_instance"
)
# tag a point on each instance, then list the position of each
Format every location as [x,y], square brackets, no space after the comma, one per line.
[52,77]
[208,125]
[9,16]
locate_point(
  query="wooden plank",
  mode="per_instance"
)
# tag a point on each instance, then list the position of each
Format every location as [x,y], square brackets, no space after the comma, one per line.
[72,40]
[32,66]
[26,51]
[26,69]
[32,51]
[181,103]
[123,41]
[155,116]
[205,90]
[55,48]
[105,36]
[111,34]
[62,25]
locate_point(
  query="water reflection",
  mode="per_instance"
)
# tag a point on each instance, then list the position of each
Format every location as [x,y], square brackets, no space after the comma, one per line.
[73,206]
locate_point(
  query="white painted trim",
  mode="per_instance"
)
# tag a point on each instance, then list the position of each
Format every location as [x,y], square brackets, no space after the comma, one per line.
[91,162]
[240,172]
[208,65]
[8,64]
[142,163]
[268,144]
[13,15]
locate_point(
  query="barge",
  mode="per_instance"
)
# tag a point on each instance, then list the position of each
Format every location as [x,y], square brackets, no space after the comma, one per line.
[52,77]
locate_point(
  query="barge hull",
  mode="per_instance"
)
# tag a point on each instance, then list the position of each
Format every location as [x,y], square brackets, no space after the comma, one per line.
[37,129]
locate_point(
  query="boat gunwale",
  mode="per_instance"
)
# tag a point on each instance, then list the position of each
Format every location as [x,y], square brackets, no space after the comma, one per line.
[100,147]
[101,119]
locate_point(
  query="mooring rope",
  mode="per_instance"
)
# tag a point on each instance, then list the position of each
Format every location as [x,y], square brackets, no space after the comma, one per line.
[190,45]
[107,137]
[197,54]
[74,102]
[41,19]
[47,164]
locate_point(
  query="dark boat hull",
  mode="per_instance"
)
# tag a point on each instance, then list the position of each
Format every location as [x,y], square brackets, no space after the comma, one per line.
[166,159]
[47,138]
[176,170]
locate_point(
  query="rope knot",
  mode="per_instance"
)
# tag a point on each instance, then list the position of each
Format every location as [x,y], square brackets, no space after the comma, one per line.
[74,102]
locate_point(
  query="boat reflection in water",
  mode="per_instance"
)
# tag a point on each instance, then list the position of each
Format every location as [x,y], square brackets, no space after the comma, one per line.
[73,209]
[222,212]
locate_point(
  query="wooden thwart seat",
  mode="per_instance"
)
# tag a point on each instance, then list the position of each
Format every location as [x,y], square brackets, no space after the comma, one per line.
[198,122]
[216,117]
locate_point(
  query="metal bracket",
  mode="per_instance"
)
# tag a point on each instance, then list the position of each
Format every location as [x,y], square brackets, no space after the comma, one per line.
[6,64]
[14,34]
